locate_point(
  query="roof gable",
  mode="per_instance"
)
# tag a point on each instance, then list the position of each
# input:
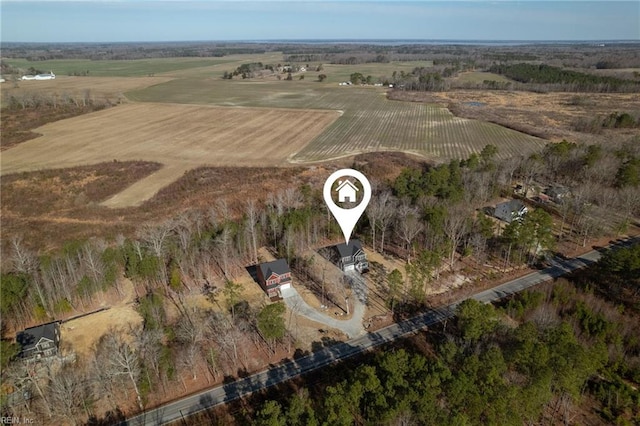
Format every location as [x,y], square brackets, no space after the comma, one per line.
[345,183]
[349,250]
[278,267]
[30,337]
[511,206]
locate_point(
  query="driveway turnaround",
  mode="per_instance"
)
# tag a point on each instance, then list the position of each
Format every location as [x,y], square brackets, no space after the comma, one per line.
[186,406]
[351,327]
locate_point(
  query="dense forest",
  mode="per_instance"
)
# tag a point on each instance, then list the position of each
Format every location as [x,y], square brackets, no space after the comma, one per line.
[565,80]
[558,354]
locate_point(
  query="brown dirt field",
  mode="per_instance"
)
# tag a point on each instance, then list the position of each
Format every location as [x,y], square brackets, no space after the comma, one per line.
[81,334]
[100,88]
[547,115]
[181,137]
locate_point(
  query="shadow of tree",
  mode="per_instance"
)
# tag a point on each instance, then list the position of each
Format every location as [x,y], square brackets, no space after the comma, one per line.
[112,417]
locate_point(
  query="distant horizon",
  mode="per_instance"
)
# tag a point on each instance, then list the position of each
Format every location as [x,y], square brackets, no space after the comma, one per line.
[381,41]
[131,21]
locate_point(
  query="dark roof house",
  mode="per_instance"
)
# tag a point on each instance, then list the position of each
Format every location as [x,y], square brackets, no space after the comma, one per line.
[352,257]
[39,342]
[274,277]
[510,210]
[558,193]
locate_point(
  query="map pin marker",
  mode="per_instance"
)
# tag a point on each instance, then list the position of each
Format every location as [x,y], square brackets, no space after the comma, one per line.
[347,192]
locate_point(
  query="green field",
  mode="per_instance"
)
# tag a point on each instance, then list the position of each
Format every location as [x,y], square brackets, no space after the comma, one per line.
[369,122]
[338,73]
[117,68]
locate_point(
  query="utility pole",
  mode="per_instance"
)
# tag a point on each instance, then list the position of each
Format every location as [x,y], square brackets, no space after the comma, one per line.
[324,269]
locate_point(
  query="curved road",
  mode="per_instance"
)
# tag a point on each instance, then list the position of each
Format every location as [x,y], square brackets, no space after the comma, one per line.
[176,410]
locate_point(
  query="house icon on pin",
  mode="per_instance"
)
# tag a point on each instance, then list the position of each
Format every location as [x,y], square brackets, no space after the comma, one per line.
[346,191]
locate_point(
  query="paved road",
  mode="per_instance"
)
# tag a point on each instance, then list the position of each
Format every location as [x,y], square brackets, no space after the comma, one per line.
[191,404]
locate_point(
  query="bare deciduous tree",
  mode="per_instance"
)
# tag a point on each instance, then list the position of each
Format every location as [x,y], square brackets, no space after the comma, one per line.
[117,362]
[68,394]
[252,221]
[408,226]
[223,246]
[455,226]
[381,211]
[155,237]
[23,260]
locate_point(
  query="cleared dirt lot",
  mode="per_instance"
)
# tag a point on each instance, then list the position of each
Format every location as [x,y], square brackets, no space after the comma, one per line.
[81,334]
[181,137]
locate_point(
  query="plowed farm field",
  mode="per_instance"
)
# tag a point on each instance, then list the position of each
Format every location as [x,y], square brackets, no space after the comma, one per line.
[180,137]
[369,121]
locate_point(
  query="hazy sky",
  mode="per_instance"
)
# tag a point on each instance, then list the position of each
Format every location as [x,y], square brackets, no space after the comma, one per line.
[128,20]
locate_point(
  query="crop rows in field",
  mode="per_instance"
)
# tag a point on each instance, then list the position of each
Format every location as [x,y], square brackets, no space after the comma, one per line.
[369,122]
[372,123]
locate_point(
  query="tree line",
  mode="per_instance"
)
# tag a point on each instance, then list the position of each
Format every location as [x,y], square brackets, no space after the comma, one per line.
[565,80]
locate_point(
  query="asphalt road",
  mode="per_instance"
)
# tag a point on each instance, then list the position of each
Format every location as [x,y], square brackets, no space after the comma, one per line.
[206,399]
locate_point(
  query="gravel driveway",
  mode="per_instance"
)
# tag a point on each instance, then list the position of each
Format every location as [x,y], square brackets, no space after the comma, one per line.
[351,327]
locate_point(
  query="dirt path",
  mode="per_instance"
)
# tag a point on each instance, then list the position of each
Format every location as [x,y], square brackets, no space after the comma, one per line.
[146,188]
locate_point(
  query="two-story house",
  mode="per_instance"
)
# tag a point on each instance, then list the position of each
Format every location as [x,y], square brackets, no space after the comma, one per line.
[352,257]
[274,277]
[42,341]
[510,210]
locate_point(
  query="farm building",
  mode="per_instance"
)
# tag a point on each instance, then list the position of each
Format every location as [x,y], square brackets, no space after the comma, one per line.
[42,341]
[49,76]
[510,210]
[274,276]
[351,257]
